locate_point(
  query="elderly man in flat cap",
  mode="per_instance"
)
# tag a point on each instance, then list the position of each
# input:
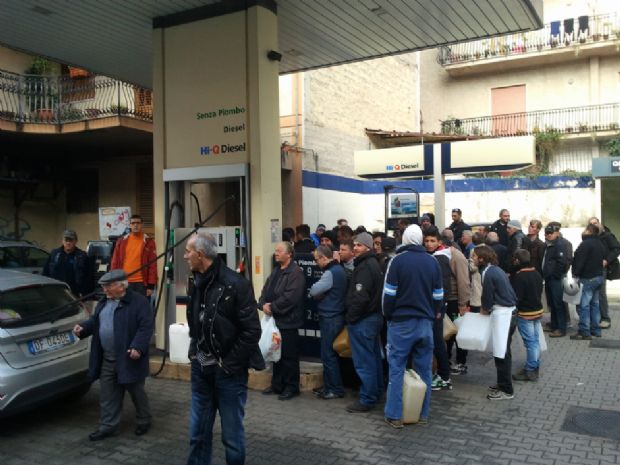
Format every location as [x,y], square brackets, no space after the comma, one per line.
[121,327]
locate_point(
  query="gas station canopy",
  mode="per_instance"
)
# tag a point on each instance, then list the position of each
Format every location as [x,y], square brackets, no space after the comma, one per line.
[114,38]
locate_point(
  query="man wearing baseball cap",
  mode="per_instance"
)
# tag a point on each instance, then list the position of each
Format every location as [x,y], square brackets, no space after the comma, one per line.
[71,265]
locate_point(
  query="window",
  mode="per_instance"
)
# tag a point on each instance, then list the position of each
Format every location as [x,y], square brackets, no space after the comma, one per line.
[508,110]
[83,191]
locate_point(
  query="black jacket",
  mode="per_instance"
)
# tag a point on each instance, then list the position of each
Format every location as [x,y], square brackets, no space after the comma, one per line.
[589,256]
[517,241]
[556,260]
[304,246]
[133,329]
[74,269]
[458,228]
[223,320]
[287,307]
[365,288]
[537,251]
[612,250]
[501,229]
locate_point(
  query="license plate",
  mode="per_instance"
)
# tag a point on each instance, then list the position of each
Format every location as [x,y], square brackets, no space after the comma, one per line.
[51,343]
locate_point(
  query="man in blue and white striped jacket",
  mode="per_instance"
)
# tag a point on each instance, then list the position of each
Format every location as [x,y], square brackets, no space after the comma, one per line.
[412,299]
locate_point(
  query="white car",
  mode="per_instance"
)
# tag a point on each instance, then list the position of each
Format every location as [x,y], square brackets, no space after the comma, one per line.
[40,358]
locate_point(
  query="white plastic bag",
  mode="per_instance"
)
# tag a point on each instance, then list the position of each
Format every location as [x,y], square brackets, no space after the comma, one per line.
[270,340]
[474,331]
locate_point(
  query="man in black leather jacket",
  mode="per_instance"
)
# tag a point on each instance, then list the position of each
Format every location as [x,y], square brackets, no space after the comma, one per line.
[224,335]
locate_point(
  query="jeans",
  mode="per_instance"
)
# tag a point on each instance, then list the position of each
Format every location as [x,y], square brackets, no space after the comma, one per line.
[530,332]
[503,366]
[330,328]
[409,337]
[553,292]
[440,351]
[365,340]
[213,390]
[285,376]
[589,308]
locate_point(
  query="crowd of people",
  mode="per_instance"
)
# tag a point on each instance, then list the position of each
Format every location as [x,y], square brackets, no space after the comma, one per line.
[390,294]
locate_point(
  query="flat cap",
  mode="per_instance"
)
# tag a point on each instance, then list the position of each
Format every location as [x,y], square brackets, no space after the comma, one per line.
[112,277]
[69,234]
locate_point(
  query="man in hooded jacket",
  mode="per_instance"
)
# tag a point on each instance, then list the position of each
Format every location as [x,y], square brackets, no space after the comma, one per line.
[412,300]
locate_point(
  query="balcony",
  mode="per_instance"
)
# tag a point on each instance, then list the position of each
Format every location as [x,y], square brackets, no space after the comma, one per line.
[558,41]
[575,122]
[54,100]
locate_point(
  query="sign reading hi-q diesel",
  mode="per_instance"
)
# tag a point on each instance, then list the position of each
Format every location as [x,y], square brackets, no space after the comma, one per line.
[229,126]
[205,102]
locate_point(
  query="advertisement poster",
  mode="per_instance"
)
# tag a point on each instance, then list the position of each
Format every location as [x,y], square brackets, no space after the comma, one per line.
[403,205]
[113,221]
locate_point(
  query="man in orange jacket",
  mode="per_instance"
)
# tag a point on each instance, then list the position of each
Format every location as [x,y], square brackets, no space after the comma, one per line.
[134,251]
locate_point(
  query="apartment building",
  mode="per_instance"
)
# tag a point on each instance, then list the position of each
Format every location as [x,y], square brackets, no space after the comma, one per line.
[70,143]
[561,82]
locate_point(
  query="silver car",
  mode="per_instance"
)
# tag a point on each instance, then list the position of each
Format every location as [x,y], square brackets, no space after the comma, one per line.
[22,256]
[40,358]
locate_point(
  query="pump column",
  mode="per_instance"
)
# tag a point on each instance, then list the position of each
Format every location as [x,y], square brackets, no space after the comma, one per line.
[211,74]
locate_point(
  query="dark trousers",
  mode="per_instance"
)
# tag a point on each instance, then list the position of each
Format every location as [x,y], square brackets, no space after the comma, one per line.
[330,328]
[286,371]
[140,288]
[440,351]
[111,396]
[504,365]
[215,391]
[461,354]
[553,292]
[604,305]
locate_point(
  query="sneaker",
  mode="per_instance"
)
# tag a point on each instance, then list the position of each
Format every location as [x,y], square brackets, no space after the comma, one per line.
[499,395]
[557,333]
[493,387]
[422,422]
[525,375]
[396,424]
[459,369]
[358,407]
[605,324]
[330,396]
[439,384]
[319,391]
[580,337]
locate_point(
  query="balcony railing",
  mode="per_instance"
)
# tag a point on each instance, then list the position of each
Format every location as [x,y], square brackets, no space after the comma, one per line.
[574,120]
[570,32]
[27,98]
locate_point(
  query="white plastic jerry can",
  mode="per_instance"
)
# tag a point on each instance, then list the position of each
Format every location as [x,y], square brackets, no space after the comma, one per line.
[414,390]
[179,342]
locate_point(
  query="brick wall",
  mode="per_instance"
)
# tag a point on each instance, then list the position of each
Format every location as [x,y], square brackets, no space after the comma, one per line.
[341,101]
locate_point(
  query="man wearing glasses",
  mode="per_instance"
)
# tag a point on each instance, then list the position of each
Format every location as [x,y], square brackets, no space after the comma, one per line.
[135,253]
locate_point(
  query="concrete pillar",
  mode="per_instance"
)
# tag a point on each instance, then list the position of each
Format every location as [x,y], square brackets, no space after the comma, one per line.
[216,103]
[439,189]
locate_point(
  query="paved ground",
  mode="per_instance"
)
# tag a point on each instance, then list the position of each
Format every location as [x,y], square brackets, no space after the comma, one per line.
[465,428]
